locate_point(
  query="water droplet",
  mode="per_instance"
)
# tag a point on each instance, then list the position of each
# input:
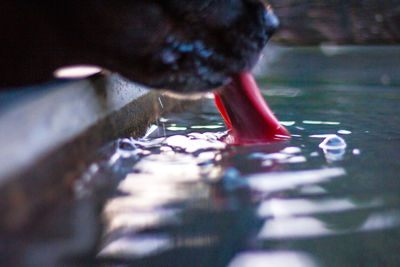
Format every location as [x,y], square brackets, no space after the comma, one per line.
[334,147]
[333,142]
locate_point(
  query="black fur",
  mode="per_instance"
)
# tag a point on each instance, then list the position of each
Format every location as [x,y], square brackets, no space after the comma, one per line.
[186,46]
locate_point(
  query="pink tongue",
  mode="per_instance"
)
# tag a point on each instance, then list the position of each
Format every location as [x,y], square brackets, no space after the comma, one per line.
[247,116]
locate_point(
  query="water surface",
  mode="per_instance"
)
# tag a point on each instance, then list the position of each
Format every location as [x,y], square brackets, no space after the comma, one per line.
[328,197]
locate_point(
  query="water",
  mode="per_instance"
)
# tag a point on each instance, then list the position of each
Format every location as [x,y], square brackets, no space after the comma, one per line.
[328,197]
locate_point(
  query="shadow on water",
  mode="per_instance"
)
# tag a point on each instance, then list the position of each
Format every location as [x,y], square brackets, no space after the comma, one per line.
[327,197]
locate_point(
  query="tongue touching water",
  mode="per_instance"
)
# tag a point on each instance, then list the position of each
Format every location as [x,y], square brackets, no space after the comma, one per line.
[328,196]
[247,116]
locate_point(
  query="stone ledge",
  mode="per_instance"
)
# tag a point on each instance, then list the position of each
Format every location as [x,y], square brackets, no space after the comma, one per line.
[49,136]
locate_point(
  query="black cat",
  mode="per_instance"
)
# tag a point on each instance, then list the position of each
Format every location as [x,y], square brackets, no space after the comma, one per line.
[181,45]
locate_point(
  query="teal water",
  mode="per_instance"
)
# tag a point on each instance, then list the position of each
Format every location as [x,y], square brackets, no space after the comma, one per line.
[328,197]
[187,199]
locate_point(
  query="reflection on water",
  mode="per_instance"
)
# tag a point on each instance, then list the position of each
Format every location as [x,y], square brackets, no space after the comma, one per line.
[328,197]
[187,199]
[165,182]
[276,259]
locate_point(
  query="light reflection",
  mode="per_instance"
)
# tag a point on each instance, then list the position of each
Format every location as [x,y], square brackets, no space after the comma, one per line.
[133,203]
[273,258]
[149,195]
[150,131]
[294,228]
[205,156]
[191,145]
[321,136]
[294,207]
[286,155]
[282,92]
[313,190]
[310,227]
[344,132]
[136,246]
[163,120]
[139,220]
[291,150]
[321,122]
[287,123]
[381,220]
[170,168]
[76,71]
[163,183]
[207,127]
[276,181]
[175,128]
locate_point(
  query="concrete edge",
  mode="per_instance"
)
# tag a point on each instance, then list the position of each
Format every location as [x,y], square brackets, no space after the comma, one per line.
[48,139]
